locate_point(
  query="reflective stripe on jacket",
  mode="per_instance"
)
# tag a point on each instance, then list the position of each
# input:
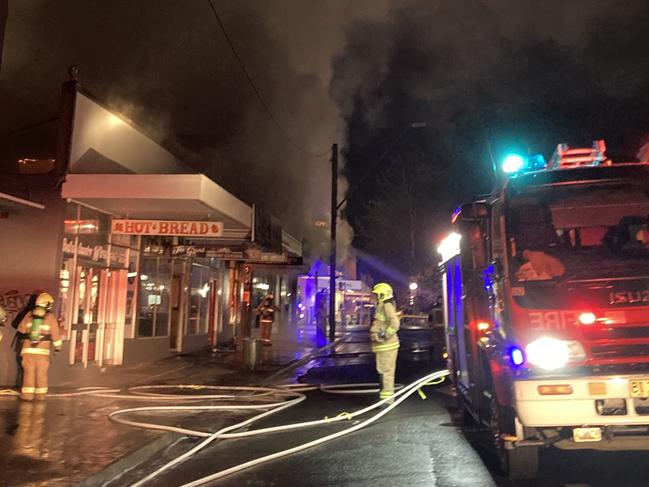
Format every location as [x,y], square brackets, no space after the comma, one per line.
[35,351]
[386,323]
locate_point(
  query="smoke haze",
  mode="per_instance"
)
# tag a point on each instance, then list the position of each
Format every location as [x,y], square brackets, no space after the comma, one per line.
[491,74]
[166,65]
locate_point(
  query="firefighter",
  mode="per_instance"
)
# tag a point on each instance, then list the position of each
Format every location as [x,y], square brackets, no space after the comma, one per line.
[383,334]
[42,332]
[266,312]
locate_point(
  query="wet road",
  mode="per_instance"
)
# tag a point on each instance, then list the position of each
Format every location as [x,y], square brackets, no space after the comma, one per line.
[418,444]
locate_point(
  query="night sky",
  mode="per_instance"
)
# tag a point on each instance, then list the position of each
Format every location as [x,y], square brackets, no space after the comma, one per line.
[509,75]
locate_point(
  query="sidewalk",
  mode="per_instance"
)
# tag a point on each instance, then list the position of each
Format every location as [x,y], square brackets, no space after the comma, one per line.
[62,441]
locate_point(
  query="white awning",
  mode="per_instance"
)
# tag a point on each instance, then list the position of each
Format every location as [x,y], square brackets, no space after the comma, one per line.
[9,202]
[158,196]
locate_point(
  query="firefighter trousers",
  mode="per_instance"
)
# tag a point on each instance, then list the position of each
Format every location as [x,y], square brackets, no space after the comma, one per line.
[386,366]
[266,329]
[35,376]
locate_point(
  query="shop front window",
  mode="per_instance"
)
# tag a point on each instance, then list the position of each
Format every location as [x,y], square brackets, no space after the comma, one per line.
[261,286]
[131,291]
[163,282]
[153,296]
[93,285]
[195,295]
[199,298]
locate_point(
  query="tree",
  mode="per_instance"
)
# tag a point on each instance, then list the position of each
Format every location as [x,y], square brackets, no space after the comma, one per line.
[395,220]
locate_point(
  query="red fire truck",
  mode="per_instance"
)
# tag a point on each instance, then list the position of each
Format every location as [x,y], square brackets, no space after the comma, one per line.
[546,283]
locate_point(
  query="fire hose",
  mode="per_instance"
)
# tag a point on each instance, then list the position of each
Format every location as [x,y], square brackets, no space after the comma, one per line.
[387,404]
[290,395]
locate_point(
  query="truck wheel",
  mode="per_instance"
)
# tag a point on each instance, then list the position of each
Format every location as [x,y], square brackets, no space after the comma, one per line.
[517,463]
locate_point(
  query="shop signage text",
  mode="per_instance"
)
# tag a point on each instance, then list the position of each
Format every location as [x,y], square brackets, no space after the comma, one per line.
[96,253]
[253,256]
[172,228]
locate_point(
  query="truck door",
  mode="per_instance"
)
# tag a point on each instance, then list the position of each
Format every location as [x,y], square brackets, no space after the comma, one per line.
[461,327]
[455,327]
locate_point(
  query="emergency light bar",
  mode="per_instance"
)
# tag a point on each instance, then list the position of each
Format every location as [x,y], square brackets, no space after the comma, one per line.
[564,157]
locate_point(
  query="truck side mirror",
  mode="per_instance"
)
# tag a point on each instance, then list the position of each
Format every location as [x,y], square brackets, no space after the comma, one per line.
[471,213]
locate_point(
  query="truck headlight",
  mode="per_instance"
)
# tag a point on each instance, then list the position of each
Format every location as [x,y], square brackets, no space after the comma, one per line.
[550,354]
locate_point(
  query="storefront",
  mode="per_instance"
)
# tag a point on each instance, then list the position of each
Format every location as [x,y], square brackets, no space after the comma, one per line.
[177,285]
[354,302]
[144,259]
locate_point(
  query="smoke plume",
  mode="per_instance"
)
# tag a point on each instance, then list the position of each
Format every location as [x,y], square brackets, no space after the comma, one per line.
[166,65]
[487,77]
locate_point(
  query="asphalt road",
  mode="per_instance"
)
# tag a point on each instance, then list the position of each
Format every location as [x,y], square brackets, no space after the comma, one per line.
[418,444]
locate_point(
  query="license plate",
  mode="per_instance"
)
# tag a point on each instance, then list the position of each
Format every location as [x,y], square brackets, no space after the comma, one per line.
[582,435]
[639,388]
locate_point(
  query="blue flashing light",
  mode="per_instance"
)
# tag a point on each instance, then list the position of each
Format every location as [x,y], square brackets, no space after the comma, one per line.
[536,163]
[488,282]
[513,163]
[456,214]
[516,356]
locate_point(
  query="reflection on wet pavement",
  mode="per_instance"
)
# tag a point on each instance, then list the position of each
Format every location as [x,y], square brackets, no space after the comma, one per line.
[57,441]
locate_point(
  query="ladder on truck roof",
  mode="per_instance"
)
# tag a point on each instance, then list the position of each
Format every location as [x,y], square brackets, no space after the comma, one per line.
[565,156]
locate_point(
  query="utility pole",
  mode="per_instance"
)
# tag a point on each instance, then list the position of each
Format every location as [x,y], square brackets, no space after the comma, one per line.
[335,206]
[332,256]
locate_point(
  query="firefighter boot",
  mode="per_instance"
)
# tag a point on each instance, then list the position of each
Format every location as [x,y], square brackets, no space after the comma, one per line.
[386,366]
[387,403]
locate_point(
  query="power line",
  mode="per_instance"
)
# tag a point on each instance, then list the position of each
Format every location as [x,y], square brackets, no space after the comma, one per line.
[28,127]
[256,90]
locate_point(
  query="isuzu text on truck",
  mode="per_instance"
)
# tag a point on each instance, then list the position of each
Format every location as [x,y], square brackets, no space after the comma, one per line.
[546,283]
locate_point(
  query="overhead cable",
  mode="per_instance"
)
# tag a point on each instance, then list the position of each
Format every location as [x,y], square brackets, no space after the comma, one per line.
[257,92]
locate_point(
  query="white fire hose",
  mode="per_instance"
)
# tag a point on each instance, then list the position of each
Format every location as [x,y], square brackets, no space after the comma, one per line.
[289,395]
[229,432]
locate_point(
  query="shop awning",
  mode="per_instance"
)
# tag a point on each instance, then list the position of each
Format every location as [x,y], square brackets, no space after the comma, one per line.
[9,202]
[158,196]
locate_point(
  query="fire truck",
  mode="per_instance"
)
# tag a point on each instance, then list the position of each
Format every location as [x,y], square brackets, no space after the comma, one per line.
[546,286]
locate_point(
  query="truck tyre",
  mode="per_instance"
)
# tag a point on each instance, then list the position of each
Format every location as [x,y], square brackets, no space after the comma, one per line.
[518,463]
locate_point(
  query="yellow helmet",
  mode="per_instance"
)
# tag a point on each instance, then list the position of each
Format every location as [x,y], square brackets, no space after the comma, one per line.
[44,300]
[383,291]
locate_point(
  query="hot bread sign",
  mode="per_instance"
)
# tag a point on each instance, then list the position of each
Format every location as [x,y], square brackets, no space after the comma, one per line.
[172,228]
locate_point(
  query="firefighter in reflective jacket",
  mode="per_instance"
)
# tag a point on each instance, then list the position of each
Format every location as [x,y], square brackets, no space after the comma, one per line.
[43,332]
[385,342]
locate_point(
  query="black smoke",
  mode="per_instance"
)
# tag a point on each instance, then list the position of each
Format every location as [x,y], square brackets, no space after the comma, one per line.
[487,77]
[166,65]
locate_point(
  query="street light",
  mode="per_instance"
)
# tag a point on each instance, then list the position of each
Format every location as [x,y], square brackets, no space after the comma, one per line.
[413,286]
[335,207]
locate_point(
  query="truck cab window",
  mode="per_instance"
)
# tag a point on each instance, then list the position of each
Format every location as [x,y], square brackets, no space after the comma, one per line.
[496,241]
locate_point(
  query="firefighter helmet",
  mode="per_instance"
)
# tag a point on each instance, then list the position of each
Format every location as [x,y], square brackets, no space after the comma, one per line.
[383,291]
[44,300]
[3,315]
